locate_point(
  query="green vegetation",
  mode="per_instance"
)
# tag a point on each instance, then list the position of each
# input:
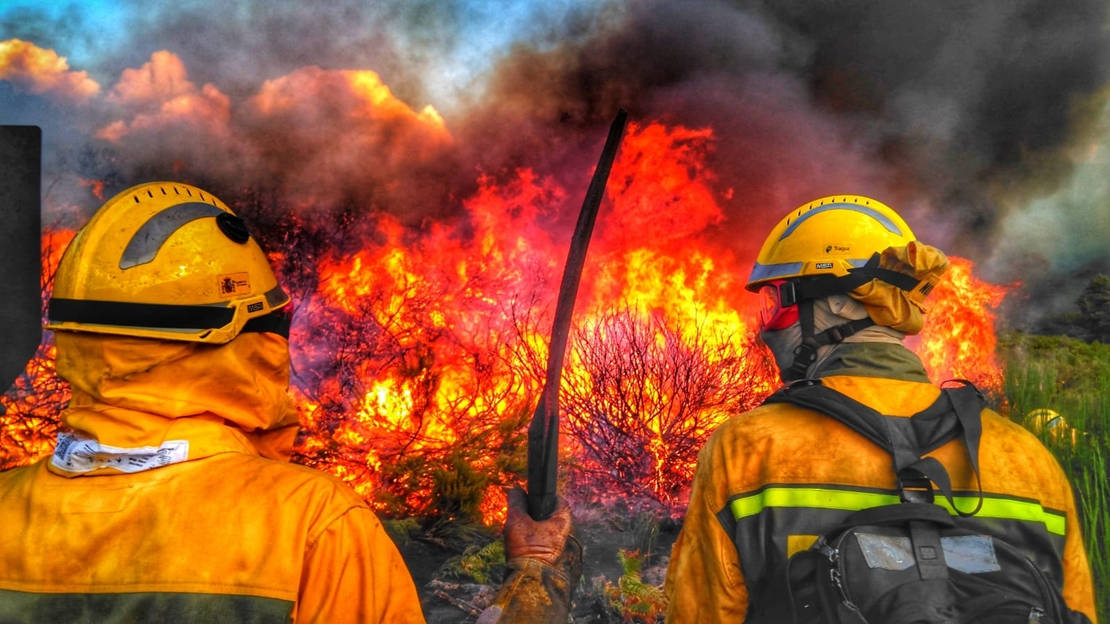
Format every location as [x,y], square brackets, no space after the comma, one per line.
[632,598]
[1071,378]
[401,530]
[484,564]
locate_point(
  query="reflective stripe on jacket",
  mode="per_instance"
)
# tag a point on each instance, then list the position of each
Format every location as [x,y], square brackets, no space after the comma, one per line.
[771,480]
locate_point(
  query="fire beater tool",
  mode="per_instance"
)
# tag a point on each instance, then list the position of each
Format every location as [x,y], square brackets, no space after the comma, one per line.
[20,238]
[543,432]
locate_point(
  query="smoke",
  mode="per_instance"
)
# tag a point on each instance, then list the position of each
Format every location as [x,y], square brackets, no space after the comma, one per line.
[965,117]
[976,121]
[989,113]
[1059,238]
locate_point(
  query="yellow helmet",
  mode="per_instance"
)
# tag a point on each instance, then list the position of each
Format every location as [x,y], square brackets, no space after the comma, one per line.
[831,235]
[169,261]
[1043,419]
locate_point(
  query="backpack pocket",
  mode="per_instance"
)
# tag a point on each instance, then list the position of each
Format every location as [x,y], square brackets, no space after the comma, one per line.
[874,574]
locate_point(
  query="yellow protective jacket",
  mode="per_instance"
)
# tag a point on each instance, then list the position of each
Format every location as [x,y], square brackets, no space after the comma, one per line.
[170,499]
[769,481]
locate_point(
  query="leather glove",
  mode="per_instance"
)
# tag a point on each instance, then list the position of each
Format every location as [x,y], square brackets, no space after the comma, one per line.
[543,541]
[545,563]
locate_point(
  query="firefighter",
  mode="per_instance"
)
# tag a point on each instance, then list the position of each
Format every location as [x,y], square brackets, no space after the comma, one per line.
[169,496]
[842,281]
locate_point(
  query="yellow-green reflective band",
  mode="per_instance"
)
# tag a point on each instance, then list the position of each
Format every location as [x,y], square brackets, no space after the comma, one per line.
[808,497]
[1009,509]
[847,500]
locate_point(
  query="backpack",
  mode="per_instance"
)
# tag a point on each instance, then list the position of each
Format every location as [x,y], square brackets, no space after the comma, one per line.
[911,562]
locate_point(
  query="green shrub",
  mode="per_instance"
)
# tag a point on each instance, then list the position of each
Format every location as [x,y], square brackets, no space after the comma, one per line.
[635,600]
[1071,378]
[485,564]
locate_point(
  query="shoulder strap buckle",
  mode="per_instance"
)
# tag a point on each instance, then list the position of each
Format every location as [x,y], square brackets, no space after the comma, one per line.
[915,487]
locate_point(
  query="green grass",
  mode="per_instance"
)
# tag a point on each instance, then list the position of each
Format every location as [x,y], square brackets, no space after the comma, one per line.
[1071,378]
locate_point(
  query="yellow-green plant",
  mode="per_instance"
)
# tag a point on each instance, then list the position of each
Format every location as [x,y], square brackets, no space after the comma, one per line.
[480,563]
[635,600]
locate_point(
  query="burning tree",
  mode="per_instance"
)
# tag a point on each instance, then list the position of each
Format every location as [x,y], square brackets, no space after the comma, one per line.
[422,420]
[643,396]
[414,365]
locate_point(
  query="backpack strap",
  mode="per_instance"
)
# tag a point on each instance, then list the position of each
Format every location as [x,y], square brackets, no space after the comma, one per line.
[956,413]
[895,515]
[968,403]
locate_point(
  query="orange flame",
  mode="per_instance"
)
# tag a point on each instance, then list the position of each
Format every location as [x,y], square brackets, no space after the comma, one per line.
[96,186]
[29,409]
[958,339]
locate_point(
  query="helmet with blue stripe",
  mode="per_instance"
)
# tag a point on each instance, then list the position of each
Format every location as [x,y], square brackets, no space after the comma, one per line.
[828,236]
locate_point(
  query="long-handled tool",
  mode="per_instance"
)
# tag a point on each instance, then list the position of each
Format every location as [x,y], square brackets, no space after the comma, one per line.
[543,432]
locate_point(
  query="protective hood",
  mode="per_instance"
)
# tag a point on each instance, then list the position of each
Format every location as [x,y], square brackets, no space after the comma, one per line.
[140,403]
[893,307]
[827,312]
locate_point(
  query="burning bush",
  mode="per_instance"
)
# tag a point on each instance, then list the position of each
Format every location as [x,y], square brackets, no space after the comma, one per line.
[414,385]
[643,396]
[415,379]
[29,409]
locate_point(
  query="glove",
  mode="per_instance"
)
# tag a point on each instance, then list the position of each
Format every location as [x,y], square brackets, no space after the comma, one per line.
[545,563]
[543,541]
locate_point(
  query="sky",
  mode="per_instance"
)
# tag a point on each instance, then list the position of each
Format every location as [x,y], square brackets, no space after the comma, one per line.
[984,124]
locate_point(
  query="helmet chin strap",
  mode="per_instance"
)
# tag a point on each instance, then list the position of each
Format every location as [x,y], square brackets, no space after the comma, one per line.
[805,355]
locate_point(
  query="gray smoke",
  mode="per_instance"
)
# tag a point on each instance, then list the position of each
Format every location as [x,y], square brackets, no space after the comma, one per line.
[981,122]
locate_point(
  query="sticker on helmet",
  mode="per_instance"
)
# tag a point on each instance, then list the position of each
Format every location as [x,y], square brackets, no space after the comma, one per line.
[234,284]
[824,265]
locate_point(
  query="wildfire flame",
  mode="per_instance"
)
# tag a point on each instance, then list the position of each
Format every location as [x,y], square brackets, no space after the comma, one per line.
[958,339]
[418,358]
[29,409]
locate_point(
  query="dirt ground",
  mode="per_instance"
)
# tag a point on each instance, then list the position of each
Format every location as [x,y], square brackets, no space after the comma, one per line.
[446,600]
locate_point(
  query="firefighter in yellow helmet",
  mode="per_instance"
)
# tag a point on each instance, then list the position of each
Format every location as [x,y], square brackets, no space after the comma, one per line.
[842,280]
[169,496]
[1048,422]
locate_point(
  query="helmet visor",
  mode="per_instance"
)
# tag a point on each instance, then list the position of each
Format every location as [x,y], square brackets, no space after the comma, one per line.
[778,307]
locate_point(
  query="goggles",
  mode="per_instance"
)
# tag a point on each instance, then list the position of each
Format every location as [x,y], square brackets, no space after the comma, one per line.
[778,305]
